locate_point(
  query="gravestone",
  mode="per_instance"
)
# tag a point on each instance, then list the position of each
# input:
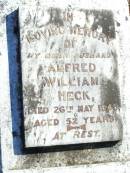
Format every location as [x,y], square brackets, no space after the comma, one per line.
[71,92]
[64,84]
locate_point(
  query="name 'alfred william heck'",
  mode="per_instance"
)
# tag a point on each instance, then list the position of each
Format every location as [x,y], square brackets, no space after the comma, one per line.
[69,57]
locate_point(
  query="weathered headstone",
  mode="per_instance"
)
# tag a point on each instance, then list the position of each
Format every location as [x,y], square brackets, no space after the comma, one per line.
[70,77]
[98,27]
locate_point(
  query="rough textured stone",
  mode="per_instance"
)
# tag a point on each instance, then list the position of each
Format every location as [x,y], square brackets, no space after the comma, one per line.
[37,162]
[70,77]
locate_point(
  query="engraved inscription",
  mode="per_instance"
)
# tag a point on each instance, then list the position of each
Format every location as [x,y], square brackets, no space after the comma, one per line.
[71,90]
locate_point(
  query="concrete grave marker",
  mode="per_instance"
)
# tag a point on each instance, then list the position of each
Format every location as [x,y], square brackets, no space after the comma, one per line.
[71,91]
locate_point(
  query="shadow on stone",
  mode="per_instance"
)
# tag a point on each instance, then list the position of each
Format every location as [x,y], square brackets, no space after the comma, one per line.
[13,41]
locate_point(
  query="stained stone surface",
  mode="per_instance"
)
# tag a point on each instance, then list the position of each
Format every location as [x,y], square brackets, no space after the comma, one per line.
[108,159]
[70,76]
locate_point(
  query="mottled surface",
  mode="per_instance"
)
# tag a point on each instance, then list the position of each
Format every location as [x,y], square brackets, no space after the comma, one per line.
[71,91]
[87,157]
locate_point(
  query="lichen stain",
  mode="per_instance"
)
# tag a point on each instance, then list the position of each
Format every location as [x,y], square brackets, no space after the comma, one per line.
[110,94]
[30,96]
[105,20]
[55,18]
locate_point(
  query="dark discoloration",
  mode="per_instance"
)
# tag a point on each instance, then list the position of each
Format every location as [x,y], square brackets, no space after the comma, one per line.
[41,87]
[115,66]
[39,71]
[110,93]
[105,20]
[83,43]
[118,24]
[33,103]
[102,18]
[55,16]
[29,91]
[76,157]
[28,19]
[30,96]
[53,43]
[126,18]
